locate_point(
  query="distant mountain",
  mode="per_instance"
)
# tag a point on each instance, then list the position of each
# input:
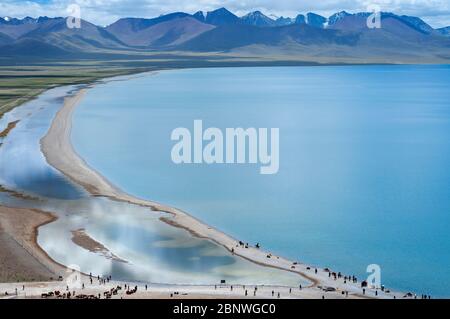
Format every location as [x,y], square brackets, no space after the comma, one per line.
[358,21]
[33,49]
[200,16]
[15,21]
[300,19]
[339,16]
[54,31]
[315,20]
[341,35]
[168,30]
[415,22]
[258,19]
[15,28]
[221,17]
[444,31]
[344,35]
[5,39]
[46,37]
[229,37]
[311,19]
[282,21]
[126,25]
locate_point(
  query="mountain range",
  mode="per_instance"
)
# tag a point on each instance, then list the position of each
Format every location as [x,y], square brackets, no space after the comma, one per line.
[340,35]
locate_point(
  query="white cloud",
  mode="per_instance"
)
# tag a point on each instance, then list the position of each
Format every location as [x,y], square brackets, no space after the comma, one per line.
[102,12]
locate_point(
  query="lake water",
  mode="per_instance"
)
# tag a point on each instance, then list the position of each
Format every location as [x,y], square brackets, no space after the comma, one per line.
[364,160]
[150,250]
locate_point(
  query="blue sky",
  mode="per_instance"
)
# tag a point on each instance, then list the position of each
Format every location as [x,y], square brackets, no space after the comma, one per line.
[103,12]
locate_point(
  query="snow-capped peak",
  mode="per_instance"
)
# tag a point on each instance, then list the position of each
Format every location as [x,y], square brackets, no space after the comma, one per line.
[253,14]
[337,16]
[273,16]
[257,18]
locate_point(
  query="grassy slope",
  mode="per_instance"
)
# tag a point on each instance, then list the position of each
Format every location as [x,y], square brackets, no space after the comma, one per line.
[20,84]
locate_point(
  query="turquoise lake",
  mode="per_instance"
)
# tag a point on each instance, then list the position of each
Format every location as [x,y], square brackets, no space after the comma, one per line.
[364,172]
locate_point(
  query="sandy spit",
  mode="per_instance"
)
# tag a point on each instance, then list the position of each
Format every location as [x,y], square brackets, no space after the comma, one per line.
[82,239]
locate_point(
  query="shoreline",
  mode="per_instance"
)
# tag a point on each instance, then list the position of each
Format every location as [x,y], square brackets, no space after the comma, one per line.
[57,148]
[34,290]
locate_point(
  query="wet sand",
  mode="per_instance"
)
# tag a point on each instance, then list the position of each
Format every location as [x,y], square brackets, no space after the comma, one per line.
[82,239]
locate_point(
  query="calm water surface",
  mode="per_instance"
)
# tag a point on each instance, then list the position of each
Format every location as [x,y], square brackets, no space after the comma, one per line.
[364,160]
[22,165]
[150,250]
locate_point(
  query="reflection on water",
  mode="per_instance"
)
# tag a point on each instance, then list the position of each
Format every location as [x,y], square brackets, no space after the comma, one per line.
[149,247]
[153,250]
[22,166]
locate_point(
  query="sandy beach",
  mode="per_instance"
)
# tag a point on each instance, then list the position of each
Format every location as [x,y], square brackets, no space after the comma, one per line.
[58,150]
[154,291]
[21,258]
[80,238]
